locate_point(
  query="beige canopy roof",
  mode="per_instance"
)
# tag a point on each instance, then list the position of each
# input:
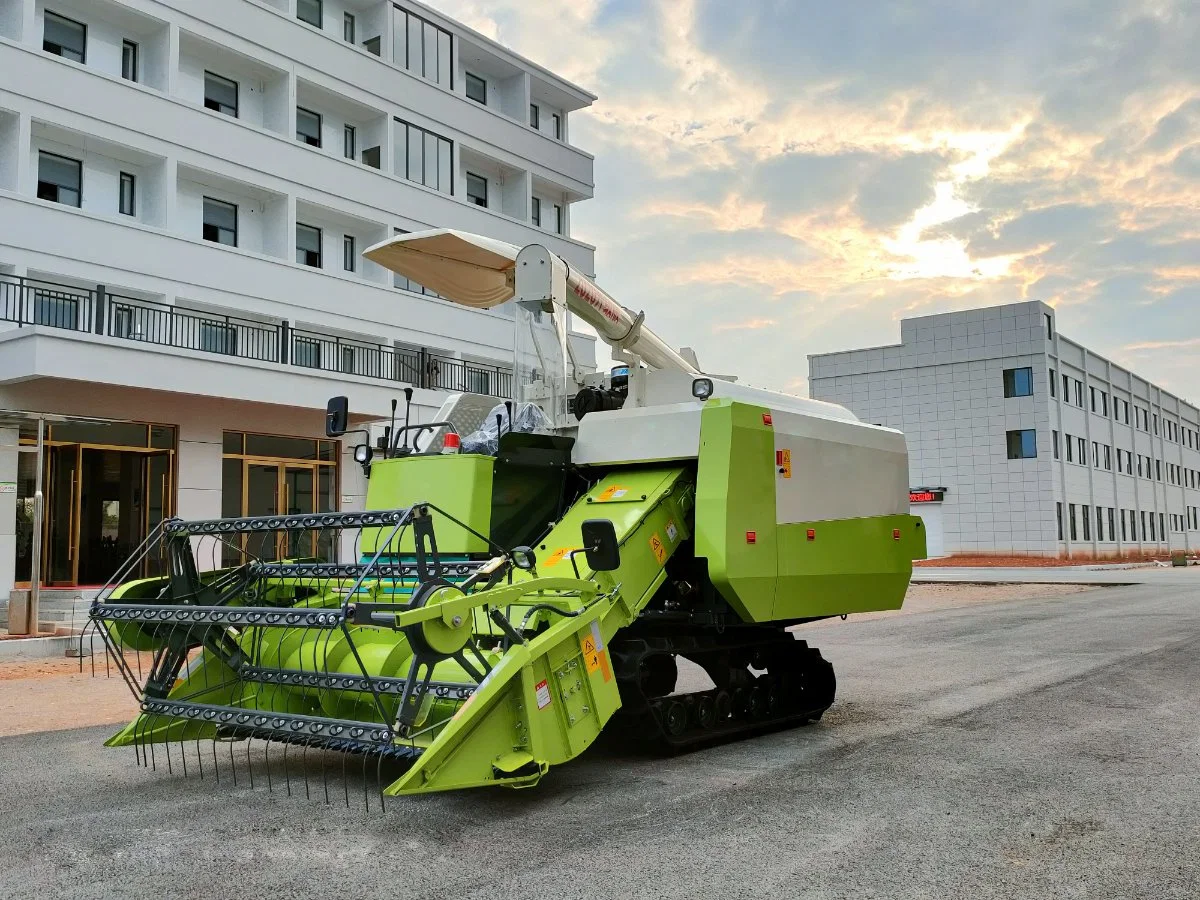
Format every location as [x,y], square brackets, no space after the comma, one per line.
[466,268]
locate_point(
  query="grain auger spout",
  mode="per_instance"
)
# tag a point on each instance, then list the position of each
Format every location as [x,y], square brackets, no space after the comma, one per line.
[523,575]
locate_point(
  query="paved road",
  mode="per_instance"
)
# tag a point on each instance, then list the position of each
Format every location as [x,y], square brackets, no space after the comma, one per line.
[1041,748]
[1159,576]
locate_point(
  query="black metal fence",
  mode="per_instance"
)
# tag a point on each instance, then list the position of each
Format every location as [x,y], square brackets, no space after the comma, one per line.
[31,301]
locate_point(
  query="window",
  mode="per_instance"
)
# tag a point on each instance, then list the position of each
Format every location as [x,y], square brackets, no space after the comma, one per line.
[477,188]
[1056,445]
[1104,403]
[218,337]
[1082,451]
[1053,384]
[1144,526]
[308,127]
[1066,389]
[1099,523]
[220,222]
[1107,458]
[348,28]
[1156,425]
[220,94]
[308,245]
[424,157]
[537,212]
[1022,444]
[373,45]
[1074,533]
[556,121]
[1070,449]
[64,37]
[1079,393]
[370,157]
[558,219]
[349,139]
[476,89]
[1087,523]
[1158,469]
[1018,382]
[128,195]
[56,309]
[60,179]
[1124,531]
[1049,327]
[349,257]
[535,117]
[129,60]
[1092,394]
[1162,525]
[306,352]
[422,48]
[1095,455]
[1112,524]
[1058,509]
[309,11]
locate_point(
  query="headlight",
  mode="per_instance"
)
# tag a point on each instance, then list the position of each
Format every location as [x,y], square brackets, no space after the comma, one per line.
[362,454]
[702,388]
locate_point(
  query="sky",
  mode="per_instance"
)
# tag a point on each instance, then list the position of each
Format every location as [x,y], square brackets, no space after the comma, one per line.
[776,178]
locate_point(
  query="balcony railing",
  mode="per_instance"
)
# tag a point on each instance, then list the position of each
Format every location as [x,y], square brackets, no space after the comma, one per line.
[30,301]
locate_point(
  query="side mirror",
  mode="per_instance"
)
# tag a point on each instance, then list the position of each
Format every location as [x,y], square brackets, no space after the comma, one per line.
[337,416]
[600,545]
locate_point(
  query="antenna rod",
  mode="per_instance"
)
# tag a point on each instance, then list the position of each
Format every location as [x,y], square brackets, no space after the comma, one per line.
[391,430]
[408,392]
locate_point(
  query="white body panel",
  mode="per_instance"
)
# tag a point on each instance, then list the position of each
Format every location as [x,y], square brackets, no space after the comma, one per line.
[839,470]
[653,434]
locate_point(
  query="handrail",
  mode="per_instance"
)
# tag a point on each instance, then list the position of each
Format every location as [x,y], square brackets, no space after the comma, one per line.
[28,301]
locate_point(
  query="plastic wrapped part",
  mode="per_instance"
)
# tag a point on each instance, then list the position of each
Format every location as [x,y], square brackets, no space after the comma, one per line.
[539,365]
[529,419]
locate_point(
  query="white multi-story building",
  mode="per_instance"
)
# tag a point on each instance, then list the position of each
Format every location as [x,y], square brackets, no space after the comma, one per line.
[1022,441]
[185,192]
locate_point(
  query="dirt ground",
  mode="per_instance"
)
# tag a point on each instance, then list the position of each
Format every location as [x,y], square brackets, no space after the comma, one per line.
[53,694]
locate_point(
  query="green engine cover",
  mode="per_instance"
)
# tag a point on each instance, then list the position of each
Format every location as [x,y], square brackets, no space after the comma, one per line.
[459,484]
[771,572]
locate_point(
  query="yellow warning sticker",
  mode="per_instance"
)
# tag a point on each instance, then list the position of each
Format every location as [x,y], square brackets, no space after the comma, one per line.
[591,655]
[557,555]
[614,492]
[784,461]
[660,550]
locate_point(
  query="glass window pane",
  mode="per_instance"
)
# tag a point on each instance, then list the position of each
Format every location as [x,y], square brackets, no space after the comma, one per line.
[59,170]
[430,49]
[476,88]
[431,157]
[309,11]
[117,434]
[162,437]
[64,37]
[283,447]
[231,441]
[308,127]
[413,62]
[416,156]
[445,71]
[445,175]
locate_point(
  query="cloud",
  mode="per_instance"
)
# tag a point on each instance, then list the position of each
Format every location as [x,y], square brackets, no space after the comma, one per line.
[748,325]
[1163,345]
[830,169]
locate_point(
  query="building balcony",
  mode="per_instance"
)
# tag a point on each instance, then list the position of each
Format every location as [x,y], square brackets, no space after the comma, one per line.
[32,307]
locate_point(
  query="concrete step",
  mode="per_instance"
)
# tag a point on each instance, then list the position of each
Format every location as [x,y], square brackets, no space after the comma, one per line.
[41,647]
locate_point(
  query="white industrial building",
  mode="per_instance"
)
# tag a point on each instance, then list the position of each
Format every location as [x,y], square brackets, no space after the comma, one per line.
[185,192]
[1023,441]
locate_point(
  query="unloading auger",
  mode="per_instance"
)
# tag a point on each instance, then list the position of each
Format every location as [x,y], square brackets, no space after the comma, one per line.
[521,577]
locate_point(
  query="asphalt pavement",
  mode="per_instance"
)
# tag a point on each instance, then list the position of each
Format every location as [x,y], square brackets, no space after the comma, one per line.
[1159,576]
[1037,748]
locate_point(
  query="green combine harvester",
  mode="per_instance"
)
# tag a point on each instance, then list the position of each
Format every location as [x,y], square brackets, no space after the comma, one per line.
[527,574]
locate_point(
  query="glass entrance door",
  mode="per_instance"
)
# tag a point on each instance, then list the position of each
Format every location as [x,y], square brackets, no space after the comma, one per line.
[263,494]
[280,489]
[62,506]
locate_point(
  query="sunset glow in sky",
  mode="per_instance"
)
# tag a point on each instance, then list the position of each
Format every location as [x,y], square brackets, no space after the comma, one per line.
[776,178]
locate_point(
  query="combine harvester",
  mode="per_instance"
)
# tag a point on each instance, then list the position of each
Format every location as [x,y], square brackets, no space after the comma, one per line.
[527,574]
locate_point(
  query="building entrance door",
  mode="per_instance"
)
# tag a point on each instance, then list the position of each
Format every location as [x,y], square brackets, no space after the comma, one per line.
[101,503]
[282,489]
